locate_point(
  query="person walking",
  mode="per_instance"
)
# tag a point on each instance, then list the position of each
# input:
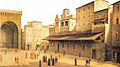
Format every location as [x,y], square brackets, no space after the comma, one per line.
[40,64]
[75,62]
[86,62]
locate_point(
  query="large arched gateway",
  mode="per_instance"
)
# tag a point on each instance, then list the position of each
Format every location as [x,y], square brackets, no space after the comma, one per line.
[10,29]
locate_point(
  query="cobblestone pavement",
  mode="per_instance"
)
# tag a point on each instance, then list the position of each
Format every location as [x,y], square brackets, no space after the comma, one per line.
[8,60]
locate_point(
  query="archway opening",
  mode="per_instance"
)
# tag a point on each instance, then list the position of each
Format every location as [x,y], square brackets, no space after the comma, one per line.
[9,35]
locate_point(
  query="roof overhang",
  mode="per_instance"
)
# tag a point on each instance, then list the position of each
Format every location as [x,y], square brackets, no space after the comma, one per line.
[73,38]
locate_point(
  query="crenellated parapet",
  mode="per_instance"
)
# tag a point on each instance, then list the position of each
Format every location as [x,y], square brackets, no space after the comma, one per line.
[10,12]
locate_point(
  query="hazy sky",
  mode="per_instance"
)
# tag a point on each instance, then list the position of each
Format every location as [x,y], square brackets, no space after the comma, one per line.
[42,10]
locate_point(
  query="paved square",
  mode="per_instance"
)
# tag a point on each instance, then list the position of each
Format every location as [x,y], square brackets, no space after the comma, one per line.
[8,60]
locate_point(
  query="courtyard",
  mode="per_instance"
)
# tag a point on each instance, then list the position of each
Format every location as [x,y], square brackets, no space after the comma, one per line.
[25,60]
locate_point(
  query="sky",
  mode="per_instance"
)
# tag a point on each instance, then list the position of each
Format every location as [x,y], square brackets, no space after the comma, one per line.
[43,10]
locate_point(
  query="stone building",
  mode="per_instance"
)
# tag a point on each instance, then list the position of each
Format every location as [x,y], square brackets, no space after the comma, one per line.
[90,36]
[63,25]
[85,14]
[116,32]
[10,28]
[34,32]
[102,23]
[67,22]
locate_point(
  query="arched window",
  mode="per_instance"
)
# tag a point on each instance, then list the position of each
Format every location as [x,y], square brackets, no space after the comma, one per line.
[117,20]
[117,36]
[62,24]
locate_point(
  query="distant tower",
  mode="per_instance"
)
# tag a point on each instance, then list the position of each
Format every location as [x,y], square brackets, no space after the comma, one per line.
[57,23]
[57,20]
[66,12]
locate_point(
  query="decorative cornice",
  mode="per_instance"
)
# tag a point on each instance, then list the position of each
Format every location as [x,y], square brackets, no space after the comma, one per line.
[2,11]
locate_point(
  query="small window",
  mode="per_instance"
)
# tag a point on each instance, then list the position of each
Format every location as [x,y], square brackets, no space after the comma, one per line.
[66,23]
[62,24]
[117,36]
[114,54]
[73,46]
[118,8]
[89,8]
[117,20]
[83,47]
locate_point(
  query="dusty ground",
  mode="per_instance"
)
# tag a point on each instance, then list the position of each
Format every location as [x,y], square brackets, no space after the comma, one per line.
[8,60]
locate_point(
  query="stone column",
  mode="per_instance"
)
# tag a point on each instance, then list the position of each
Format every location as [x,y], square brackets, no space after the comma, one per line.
[19,39]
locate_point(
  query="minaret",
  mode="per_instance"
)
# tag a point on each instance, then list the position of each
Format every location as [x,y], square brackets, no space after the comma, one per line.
[57,20]
[57,23]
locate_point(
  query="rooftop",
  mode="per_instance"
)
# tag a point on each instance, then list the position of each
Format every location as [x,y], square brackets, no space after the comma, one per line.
[116,2]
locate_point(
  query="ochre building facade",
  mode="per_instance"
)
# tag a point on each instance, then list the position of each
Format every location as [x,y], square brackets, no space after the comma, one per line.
[116,32]
[10,28]
[33,34]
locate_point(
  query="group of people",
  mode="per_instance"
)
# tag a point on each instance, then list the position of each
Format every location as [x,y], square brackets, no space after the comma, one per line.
[88,62]
[33,55]
[16,59]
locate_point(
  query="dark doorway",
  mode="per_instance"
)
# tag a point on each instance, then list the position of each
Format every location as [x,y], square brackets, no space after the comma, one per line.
[58,48]
[118,57]
[37,47]
[79,55]
[28,47]
[94,54]
[9,35]
[63,52]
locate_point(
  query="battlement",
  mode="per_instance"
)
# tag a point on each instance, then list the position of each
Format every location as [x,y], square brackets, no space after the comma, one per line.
[3,11]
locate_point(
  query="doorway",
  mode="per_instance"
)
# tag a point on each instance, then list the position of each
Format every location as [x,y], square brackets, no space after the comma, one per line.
[58,48]
[63,52]
[94,54]
[28,47]
[118,57]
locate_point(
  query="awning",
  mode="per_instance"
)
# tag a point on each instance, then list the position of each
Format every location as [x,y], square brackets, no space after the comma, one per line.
[90,36]
[100,20]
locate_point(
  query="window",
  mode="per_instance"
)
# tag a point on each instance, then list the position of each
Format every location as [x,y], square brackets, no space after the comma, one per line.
[73,46]
[118,8]
[114,55]
[62,24]
[66,23]
[117,36]
[89,8]
[83,47]
[117,20]
[96,23]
